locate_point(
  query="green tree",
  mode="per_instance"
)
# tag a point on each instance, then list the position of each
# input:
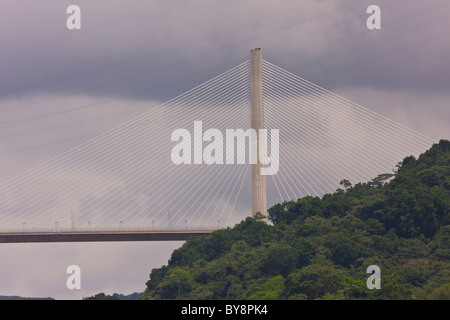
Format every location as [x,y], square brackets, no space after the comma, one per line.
[278,259]
[314,281]
[441,293]
[178,282]
[392,288]
[269,290]
[345,183]
[101,296]
[344,251]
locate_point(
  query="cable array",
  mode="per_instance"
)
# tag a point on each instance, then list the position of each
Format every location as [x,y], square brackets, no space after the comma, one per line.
[125,179]
[325,138]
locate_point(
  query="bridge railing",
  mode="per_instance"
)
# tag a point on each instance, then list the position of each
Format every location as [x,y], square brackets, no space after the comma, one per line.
[106,229]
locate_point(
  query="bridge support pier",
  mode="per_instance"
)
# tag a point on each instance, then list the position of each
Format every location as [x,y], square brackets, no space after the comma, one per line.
[259,196]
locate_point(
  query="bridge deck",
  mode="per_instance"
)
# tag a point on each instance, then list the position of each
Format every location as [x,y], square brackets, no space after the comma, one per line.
[100,236]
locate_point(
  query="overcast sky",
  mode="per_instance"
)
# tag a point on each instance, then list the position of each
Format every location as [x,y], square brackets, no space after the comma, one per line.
[60,87]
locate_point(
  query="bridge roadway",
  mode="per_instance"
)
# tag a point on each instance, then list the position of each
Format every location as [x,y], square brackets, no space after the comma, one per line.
[107,236]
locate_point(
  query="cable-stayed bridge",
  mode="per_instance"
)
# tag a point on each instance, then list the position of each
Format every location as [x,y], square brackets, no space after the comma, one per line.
[124,186]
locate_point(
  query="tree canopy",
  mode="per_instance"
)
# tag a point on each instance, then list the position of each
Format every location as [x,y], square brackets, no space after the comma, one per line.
[320,248]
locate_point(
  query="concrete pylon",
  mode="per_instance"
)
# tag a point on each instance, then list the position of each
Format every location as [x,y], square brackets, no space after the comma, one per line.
[259,196]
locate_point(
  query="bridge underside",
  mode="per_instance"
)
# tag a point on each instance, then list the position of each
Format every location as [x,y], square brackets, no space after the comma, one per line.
[100,236]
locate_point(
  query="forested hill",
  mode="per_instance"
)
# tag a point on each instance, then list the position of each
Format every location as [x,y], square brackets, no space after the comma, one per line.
[321,248]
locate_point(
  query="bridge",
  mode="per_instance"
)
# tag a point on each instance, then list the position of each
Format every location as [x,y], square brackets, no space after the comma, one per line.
[100,236]
[124,186]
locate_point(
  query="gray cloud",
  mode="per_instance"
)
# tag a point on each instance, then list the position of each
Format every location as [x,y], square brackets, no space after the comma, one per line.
[151,49]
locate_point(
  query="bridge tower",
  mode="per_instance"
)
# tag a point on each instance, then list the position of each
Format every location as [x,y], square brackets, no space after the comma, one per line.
[259,196]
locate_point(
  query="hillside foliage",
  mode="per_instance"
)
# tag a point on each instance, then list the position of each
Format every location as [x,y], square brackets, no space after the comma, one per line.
[320,248]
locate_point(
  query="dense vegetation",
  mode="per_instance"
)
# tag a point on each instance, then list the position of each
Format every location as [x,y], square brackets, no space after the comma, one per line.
[114,296]
[321,248]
